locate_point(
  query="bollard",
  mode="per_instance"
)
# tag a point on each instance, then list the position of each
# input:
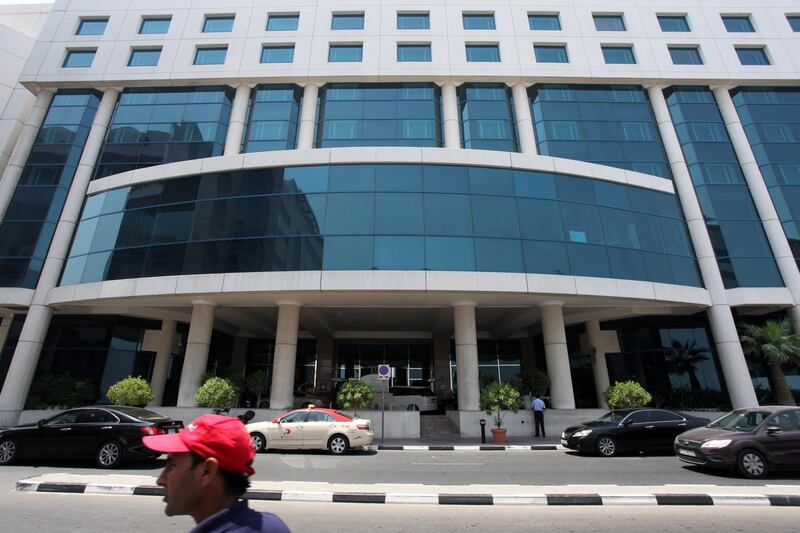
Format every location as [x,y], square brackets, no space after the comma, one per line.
[483,431]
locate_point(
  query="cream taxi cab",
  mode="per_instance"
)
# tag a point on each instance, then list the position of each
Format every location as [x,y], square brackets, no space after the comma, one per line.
[311,429]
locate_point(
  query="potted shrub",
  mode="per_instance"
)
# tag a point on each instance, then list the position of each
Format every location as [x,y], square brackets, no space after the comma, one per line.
[496,398]
[627,395]
[257,383]
[131,391]
[354,394]
[216,393]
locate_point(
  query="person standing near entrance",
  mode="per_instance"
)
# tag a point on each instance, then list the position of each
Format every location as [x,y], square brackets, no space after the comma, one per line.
[538,414]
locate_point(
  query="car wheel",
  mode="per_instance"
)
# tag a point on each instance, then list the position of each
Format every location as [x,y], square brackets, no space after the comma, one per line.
[259,442]
[606,446]
[338,445]
[8,452]
[109,455]
[752,464]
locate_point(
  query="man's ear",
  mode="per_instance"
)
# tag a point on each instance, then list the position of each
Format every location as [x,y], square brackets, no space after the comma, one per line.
[208,471]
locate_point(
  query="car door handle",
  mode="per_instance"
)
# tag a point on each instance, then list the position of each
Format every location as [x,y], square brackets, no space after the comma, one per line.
[106,427]
[683,425]
[649,427]
[66,429]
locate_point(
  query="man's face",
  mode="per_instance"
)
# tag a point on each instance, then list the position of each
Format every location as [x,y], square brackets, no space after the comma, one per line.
[182,484]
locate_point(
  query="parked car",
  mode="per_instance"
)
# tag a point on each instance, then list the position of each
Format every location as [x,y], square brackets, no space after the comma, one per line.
[753,441]
[413,399]
[311,429]
[110,435]
[630,430]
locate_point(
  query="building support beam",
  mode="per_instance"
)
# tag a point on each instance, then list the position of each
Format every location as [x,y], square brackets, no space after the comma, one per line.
[308,117]
[196,359]
[557,355]
[522,112]
[236,125]
[600,343]
[469,389]
[161,366]
[282,391]
[452,123]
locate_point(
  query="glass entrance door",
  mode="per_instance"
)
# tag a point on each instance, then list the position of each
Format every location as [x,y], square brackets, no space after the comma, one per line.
[412,361]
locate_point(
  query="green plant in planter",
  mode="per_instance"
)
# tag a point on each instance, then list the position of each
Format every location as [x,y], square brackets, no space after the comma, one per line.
[131,391]
[217,393]
[257,383]
[627,395]
[354,394]
[498,397]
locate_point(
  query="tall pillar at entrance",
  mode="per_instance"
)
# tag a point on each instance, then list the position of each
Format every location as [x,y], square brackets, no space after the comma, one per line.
[555,351]
[324,382]
[441,366]
[5,325]
[233,140]
[452,124]
[161,367]
[308,117]
[282,392]
[196,359]
[522,112]
[469,389]
[27,136]
[600,342]
[723,327]
[37,320]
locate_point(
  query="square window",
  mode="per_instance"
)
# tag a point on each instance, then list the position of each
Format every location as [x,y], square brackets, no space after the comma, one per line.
[685,55]
[144,57]
[347,21]
[413,21]
[752,55]
[155,25]
[483,53]
[218,23]
[211,55]
[618,55]
[413,52]
[794,22]
[280,53]
[345,53]
[79,58]
[550,53]
[609,23]
[92,26]
[478,21]
[544,22]
[673,23]
[738,23]
[283,22]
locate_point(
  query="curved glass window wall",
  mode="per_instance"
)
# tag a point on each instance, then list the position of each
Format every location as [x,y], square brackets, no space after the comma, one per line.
[383,217]
[273,118]
[163,125]
[740,244]
[487,117]
[607,124]
[379,114]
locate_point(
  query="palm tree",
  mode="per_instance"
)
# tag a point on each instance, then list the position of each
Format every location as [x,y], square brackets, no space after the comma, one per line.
[776,345]
[683,356]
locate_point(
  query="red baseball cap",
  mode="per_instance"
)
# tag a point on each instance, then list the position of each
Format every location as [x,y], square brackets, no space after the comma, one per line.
[222,437]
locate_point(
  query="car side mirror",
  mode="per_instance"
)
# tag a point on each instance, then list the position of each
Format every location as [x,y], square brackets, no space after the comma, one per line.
[627,422]
[42,422]
[774,430]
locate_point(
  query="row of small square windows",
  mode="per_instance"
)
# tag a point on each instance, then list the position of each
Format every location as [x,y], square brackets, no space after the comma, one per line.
[421,21]
[419,52]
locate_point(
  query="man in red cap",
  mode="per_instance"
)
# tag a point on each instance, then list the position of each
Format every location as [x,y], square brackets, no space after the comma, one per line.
[208,464]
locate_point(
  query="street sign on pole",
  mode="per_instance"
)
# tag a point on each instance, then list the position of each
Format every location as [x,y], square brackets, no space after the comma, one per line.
[384,373]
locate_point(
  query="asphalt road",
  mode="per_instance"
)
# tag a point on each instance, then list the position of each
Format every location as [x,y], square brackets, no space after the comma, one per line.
[99,514]
[527,468]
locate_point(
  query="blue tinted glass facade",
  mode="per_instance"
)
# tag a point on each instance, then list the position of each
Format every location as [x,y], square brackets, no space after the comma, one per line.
[752,56]
[282,22]
[92,27]
[550,53]
[478,21]
[153,126]
[487,117]
[144,57]
[609,22]
[544,22]
[413,52]
[413,21]
[345,53]
[483,53]
[211,56]
[673,23]
[684,55]
[606,124]
[740,244]
[379,114]
[738,24]
[155,25]
[618,55]
[79,58]
[771,119]
[794,22]
[273,118]
[218,24]
[354,217]
[277,53]
[32,215]
[348,21]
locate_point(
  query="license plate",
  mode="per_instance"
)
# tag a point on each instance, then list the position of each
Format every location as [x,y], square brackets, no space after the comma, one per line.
[563,442]
[172,430]
[690,453]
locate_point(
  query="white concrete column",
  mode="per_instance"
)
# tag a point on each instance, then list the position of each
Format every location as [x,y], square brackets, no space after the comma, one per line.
[599,342]
[308,117]
[12,120]
[522,112]
[452,121]
[281,395]
[196,358]
[5,325]
[27,136]
[468,383]
[161,367]
[241,101]
[731,355]
[762,200]
[557,355]
[37,320]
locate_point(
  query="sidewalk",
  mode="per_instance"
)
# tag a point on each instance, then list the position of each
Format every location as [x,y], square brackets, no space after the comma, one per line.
[465,444]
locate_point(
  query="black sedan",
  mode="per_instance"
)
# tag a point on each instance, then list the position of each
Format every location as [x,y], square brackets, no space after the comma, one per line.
[630,430]
[108,434]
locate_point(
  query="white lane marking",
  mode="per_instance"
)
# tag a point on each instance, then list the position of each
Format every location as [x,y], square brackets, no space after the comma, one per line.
[399,497]
[298,496]
[629,499]
[450,464]
[109,490]
[740,499]
[519,499]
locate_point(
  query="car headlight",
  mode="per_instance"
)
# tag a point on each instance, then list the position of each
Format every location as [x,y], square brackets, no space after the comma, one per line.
[582,433]
[717,443]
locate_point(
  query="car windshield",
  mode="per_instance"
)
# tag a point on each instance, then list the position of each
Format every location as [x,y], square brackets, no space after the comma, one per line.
[141,414]
[613,416]
[739,420]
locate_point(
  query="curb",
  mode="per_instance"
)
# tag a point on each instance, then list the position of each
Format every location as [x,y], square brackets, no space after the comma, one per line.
[464,448]
[440,498]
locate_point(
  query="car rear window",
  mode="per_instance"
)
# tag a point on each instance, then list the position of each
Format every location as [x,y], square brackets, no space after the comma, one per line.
[141,414]
[348,417]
